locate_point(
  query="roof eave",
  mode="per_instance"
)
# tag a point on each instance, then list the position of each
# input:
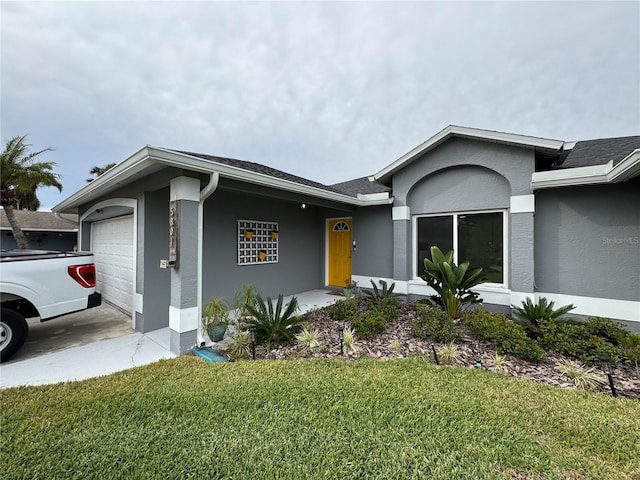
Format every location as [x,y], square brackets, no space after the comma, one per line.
[628,168]
[466,132]
[149,155]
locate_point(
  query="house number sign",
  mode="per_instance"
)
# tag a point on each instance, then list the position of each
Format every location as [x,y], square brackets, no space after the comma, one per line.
[173,232]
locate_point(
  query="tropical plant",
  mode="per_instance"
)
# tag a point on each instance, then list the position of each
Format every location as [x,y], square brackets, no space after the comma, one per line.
[274,324]
[243,298]
[582,377]
[386,292]
[20,177]
[97,171]
[351,290]
[452,283]
[449,353]
[349,340]
[308,338]
[240,344]
[215,318]
[531,315]
[434,323]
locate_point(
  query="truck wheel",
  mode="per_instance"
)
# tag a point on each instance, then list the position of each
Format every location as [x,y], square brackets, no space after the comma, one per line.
[13,333]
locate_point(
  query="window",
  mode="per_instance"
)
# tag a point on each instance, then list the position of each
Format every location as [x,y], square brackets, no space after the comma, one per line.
[257,242]
[474,237]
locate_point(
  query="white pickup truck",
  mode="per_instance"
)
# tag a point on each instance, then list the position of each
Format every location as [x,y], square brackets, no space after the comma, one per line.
[38,283]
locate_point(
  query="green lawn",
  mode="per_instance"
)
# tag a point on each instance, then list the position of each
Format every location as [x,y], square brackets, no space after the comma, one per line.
[366,419]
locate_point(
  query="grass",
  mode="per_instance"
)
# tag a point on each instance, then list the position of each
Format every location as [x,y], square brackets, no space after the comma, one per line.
[301,419]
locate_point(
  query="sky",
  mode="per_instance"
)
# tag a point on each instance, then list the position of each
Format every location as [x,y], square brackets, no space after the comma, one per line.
[329,91]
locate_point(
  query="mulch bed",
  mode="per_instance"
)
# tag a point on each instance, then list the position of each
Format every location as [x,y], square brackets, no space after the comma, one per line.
[398,342]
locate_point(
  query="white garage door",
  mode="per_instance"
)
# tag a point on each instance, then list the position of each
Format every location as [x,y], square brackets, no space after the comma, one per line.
[112,247]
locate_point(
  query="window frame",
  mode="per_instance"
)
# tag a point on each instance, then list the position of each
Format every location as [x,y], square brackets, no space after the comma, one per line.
[455,215]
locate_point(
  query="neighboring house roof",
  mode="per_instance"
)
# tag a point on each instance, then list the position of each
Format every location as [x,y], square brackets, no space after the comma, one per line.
[39,221]
[600,152]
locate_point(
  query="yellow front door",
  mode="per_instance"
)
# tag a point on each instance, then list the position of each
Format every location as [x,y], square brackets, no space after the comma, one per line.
[339,251]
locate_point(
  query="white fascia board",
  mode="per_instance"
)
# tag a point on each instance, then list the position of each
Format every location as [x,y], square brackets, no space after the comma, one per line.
[475,133]
[629,167]
[149,155]
[371,197]
[189,162]
[135,163]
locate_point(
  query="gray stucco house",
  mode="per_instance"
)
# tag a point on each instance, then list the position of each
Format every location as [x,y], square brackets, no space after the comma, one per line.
[543,217]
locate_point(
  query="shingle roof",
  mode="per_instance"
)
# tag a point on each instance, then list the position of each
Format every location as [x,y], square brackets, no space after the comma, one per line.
[29,220]
[600,152]
[272,172]
[360,185]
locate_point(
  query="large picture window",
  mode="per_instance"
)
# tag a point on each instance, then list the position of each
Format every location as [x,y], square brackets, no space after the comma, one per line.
[474,237]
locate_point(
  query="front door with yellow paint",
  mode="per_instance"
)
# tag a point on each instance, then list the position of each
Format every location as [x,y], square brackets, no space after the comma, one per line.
[339,251]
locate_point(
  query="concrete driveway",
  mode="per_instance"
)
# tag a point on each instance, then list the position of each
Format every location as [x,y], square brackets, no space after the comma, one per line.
[87,344]
[74,330]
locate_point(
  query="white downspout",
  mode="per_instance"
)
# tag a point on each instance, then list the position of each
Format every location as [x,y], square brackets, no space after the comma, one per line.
[204,194]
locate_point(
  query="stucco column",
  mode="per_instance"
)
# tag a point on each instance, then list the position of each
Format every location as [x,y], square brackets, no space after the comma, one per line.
[183,310]
[402,252]
[521,211]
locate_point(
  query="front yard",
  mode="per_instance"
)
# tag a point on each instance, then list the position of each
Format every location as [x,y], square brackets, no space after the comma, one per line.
[315,418]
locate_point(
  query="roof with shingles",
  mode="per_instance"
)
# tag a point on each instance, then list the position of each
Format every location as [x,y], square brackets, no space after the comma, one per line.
[587,153]
[29,220]
[346,188]
[360,185]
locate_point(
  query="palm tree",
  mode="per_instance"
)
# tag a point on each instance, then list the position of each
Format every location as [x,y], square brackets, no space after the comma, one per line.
[97,171]
[20,177]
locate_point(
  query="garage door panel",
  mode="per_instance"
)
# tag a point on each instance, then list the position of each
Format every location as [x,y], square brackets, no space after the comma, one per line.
[112,246]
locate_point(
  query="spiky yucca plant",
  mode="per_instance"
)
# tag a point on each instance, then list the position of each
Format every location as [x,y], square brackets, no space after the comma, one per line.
[532,315]
[349,339]
[582,377]
[386,292]
[308,338]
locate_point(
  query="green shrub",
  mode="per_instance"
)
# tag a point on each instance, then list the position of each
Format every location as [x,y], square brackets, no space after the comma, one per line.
[577,340]
[607,329]
[630,348]
[344,309]
[370,323]
[505,334]
[434,321]
[388,307]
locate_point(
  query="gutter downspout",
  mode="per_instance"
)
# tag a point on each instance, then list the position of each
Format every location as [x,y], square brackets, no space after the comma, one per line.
[204,194]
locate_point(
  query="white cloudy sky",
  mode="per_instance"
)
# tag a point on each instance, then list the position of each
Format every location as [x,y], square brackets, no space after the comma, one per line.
[328,91]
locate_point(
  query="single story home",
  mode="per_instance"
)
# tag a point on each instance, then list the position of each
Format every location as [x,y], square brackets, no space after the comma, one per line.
[172,229]
[44,231]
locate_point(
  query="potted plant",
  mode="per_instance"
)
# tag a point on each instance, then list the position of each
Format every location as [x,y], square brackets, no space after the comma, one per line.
[248,233]
[215,319]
